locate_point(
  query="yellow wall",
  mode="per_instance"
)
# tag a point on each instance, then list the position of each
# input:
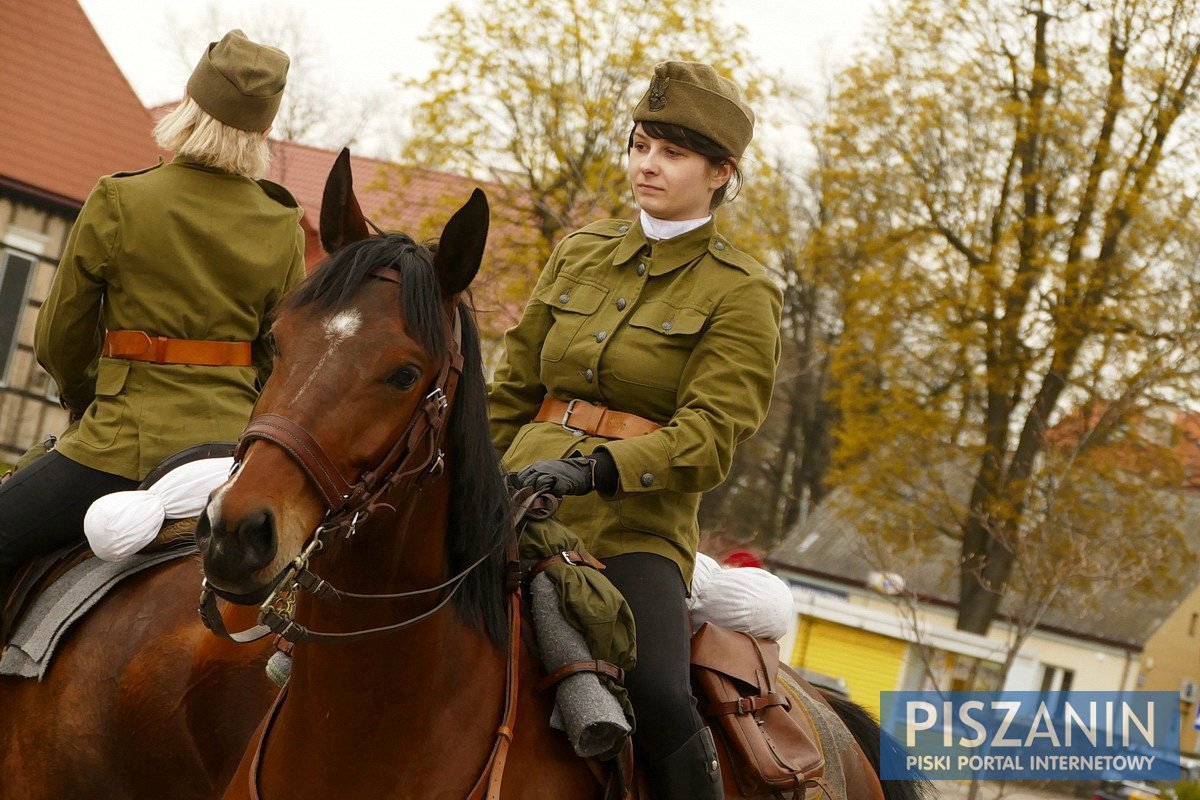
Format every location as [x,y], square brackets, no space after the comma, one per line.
[868,662]
[1172,655]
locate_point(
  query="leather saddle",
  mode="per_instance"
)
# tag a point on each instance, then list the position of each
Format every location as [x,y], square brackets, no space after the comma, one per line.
[40,573]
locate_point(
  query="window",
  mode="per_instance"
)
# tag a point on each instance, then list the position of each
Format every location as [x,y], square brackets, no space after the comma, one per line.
[1057,679]
[16,270]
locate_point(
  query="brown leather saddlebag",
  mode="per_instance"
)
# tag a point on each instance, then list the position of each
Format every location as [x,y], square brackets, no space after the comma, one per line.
[772,746]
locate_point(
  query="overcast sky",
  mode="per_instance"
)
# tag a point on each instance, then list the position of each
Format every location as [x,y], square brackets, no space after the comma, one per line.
[367,43]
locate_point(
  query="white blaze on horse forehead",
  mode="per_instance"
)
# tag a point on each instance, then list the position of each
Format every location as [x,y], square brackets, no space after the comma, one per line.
[342,326]
[338,328]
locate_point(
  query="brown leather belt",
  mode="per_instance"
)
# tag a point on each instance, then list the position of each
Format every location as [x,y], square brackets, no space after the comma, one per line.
[141,346]
[580,417]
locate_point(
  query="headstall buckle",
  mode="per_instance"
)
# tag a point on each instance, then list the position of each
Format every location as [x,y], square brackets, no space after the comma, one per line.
[437,399]
[439,463]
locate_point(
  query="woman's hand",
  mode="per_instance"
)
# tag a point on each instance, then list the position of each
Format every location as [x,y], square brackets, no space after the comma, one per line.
[560,477]
[575,475]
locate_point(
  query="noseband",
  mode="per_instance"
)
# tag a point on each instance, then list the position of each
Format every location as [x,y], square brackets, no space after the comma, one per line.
[348,503]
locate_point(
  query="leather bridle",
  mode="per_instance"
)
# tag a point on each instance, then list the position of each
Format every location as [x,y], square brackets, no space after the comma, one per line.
[416,454]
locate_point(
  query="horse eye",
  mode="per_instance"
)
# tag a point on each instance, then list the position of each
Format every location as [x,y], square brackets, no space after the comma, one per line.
[271,344]
[404,378]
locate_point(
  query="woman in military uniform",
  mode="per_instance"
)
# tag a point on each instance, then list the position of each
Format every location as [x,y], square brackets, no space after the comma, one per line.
[646,355]
[155,323]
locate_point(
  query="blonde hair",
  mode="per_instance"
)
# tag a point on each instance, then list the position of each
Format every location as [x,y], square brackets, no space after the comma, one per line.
[189,131]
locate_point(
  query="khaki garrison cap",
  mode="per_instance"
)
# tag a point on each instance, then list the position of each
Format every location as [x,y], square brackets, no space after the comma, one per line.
[240,82]
[694,96]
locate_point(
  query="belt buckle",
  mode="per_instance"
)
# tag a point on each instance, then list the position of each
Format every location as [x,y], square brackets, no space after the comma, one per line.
[566,419]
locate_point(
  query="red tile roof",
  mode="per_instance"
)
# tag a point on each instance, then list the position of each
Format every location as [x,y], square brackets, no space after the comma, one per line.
[418,201]
[303,169]
[69,116]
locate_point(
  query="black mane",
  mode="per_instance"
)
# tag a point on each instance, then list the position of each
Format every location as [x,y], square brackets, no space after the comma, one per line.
[478,519]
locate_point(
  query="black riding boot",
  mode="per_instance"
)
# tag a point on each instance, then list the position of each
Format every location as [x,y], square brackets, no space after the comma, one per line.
[690,773]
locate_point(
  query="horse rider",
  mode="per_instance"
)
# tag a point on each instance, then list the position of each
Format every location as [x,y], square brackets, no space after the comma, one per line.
[156,326]
[645,356]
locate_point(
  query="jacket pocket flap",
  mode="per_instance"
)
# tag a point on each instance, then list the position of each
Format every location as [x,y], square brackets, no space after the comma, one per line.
[568,294]
[110,377]
[667,319]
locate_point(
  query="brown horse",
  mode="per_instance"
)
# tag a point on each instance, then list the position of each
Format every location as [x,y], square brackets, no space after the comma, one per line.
[140,701]
[365,359]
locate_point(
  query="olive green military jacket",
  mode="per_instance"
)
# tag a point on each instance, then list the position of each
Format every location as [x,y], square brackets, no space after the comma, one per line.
[178,250]
[684,332]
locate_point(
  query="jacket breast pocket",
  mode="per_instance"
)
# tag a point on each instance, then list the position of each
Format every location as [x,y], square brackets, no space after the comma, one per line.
[571,302]
[655,345]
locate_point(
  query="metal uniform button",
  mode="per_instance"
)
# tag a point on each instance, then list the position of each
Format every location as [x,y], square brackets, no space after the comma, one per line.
[601,336]
[641,270]
[589,376]
[623,228]
[667,325]
[719,245]
[647,479]
[621,304]
[562,298]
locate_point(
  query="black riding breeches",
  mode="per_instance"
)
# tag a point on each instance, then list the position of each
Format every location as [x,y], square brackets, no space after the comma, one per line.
[42,507]
[660,685]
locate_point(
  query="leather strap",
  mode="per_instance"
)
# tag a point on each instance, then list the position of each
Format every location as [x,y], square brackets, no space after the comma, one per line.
[303,449]
[594,420]
[492,778]
[571,558]
[210,615]
[746,705]
[575,667]
[141,346]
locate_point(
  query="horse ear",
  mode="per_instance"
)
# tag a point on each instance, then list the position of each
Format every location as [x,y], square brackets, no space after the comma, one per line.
[342,220]
[460,247]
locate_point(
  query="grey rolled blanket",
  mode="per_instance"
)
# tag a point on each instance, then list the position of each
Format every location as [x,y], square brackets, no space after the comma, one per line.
[584,708]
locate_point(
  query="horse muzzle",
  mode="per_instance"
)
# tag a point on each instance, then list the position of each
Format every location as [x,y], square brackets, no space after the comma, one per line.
[235,552]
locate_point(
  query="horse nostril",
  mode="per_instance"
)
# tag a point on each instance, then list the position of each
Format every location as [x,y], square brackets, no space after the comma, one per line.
[257,534]
[203,534]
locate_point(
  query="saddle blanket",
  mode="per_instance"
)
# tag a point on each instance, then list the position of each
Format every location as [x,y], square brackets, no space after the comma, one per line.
[67,600]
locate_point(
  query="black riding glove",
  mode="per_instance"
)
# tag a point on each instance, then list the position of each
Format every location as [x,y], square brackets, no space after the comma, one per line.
[575,475]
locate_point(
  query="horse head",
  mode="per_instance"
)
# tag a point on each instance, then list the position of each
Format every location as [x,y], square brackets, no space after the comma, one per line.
[362,350]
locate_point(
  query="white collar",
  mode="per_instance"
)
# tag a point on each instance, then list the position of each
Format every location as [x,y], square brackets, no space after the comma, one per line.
[669,228]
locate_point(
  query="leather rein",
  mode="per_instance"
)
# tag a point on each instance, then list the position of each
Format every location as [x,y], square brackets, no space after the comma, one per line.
[416,454]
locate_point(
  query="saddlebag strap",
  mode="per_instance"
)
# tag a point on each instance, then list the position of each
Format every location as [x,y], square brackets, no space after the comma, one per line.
[594,420]
[745,705]
[303,449]
[575,667]
[571,558]
[141,346]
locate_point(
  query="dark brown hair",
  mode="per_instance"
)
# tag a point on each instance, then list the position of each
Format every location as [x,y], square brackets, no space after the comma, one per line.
[697,143]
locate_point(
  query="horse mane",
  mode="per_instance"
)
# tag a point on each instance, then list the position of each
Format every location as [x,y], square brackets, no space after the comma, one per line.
[479,521]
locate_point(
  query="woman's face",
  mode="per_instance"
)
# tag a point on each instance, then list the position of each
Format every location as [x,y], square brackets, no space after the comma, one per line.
[672,182]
